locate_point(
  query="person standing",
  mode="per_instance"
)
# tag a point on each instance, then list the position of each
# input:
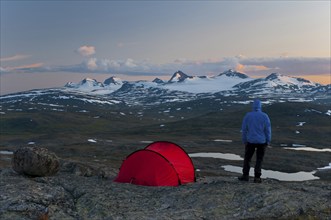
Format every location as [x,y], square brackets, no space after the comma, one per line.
[256,134]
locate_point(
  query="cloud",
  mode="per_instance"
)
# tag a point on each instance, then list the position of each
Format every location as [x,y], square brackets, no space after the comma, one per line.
[114,66]
[14,58]
[4,70]
[126,44]
[86,50]
[289,65]
[250,68]
[293,66]
[92,64]
[29,66]
[296,66]
[201,67]
[24,68]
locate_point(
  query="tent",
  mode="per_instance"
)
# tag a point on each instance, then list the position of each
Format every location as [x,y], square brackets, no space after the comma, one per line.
[161,163]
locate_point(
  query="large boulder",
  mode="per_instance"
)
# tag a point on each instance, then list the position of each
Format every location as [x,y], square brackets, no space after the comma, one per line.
[35,161]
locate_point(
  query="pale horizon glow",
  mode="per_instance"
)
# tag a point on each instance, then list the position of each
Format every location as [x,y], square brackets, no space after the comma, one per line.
[46,43]
[48,80]
[323,79]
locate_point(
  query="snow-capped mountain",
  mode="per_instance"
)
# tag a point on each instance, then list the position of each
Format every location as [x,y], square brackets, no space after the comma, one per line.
[182,87]
[85,84]
[178,82]
[204,84]
[113,80]
[149,93]
[93,86]
[233,74]
[277,83]
[229,85]
[158,81]
[179,76]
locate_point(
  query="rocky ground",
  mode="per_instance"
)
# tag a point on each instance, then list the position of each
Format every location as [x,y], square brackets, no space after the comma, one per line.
[84,188]
[87,191]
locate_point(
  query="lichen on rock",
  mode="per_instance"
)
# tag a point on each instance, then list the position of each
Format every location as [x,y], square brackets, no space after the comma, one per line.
[35,161]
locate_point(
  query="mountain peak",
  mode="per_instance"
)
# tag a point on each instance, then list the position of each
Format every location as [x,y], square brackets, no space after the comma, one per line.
[277,83]
[70,85]
[87,79]
[232,73]
[230,81]
[88,82]
[158,81]
[112,80]
[178,76]
[288,79]
[274,76]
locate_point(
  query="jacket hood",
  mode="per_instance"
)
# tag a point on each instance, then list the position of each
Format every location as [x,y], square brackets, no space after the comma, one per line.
[257,105]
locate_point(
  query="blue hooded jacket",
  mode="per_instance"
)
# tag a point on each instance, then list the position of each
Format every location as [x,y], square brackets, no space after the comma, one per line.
[256,126]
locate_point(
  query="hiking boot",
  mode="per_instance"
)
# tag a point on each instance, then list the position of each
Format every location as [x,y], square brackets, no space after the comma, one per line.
[257,180]
[243,178]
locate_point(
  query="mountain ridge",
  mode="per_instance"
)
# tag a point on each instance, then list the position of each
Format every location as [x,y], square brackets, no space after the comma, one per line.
[229,80]
[182,87]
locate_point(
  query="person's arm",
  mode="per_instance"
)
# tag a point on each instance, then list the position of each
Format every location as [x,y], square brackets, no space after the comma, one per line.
[268,130]
[244,131]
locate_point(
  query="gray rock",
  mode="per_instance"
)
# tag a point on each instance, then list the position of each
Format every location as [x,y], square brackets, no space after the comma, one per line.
[71,196]
[35,161]
[87,169]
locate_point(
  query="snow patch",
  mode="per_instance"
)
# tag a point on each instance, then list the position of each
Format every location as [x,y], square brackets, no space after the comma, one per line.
[300,124]
[5,152]
[308,149]
[325,168]
[225,156]
[241,102]
[313,110]
[220,140]
[111,102]
[282,176]
[206,84]
[58,110]
[146,142]
[92,140]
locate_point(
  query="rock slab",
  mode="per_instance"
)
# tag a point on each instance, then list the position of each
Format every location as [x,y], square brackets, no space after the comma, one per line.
[70,195]
[35,161]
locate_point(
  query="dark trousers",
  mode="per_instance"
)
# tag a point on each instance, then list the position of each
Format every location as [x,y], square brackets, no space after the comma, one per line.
[249,151]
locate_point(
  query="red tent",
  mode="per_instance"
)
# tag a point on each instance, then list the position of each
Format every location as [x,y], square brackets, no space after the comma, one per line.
[159,164]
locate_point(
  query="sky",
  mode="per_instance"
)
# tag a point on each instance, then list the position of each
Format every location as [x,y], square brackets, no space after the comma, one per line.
[48,43]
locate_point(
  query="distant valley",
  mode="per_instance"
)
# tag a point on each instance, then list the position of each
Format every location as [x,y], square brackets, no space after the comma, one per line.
[105,121]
